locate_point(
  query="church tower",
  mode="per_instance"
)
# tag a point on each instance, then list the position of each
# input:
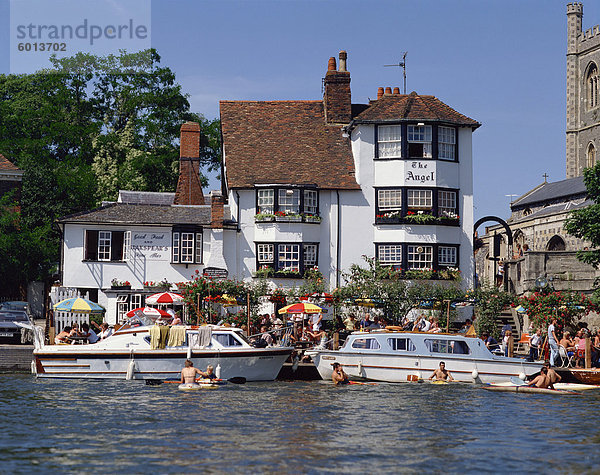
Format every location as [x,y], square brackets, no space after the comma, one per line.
[583,97]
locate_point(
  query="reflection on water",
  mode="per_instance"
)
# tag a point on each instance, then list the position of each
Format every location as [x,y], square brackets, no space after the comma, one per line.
[109,426]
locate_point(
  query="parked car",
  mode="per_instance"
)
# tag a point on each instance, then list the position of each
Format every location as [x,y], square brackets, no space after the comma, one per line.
[15,305]
[9,330]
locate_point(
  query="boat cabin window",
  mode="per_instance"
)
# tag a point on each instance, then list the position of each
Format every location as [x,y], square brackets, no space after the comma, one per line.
[366,344]
[226,339]
[454,347]
[401,344]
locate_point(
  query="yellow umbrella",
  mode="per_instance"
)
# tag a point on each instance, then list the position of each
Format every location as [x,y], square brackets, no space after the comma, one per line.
[78,305]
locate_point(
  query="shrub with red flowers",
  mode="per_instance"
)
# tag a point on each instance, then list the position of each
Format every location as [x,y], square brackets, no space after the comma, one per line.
[567,306]
[278,297]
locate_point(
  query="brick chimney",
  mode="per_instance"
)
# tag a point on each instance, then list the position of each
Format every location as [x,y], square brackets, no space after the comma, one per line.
[216,209]
[189,188]
[336,98]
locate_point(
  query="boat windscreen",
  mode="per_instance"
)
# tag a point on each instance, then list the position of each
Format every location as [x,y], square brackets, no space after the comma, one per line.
[139,320]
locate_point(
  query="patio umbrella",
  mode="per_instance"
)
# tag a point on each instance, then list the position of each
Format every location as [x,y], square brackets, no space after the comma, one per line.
[151,312]
[78,305]
[164,297]
[521,309]
[301,307]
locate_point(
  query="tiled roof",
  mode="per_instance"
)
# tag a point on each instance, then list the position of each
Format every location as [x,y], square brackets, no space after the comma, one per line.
[119,213]
[554,209]
[564,189]
[145,197]
[7,166]
[284,142]
[394,107]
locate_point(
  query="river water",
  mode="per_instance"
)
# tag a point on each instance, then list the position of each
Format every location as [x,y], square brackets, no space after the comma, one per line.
[73,426]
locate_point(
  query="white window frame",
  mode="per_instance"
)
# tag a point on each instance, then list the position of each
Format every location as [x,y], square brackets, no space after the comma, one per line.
[389,200]
[136,301]
[288,256]
[289,200]
[446,143]
[265,253]
[198,248]
[389,141]
[309,255]
[389,254]
[265,200]
[447,256]
[420,134]
[104,245]
[419,260]
[127,246]
[419,198]
[186,248]
[311,202]
[175,254]
[447,202]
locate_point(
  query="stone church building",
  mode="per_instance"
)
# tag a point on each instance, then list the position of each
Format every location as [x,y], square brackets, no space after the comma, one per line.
[537,216]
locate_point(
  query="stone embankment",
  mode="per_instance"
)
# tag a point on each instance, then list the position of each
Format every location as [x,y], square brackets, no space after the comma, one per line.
[15,358]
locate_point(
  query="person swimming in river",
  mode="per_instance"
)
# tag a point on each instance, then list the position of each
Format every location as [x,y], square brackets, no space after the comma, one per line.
[442,374]
[339,376]
[208,374]
[188,373]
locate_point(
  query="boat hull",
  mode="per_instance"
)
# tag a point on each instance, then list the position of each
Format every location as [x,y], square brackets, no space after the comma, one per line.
[584,376]
[396,369]
[70,362]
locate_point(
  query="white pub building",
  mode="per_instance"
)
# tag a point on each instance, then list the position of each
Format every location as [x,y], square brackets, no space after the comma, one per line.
[305,184]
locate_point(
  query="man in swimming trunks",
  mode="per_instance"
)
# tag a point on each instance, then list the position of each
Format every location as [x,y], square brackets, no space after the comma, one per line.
[553,375]
[339,376]
[542,380]
[63,336]
[442,374]
[188,373]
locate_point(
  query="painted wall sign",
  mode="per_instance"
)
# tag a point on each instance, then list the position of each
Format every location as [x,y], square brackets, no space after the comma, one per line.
[216,273]
[420,173]
[153,246]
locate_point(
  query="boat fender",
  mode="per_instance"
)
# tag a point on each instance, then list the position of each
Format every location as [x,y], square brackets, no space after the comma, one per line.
[522,376]
[218,371]
[359,368]
[474,374]
[130,370]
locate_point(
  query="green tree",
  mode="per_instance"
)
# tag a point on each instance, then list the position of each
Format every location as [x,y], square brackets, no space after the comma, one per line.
[585,223]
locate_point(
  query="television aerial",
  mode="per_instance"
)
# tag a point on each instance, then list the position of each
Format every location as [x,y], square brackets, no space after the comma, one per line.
[401,64]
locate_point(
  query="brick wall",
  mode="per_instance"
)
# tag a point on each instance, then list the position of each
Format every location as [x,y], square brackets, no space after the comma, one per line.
[189,187]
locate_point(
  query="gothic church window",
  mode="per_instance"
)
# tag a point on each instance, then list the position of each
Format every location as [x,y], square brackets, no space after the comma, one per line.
[592,86]
[591,156]
[556,243]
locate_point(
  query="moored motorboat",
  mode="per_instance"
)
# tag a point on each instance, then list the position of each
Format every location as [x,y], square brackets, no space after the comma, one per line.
[395,356]
[129,354]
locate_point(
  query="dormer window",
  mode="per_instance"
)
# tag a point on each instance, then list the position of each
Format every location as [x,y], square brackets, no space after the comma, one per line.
[265,201]
[287,201]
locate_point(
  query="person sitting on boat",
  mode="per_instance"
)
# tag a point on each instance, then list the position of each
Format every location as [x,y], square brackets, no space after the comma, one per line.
[553,375]
[375,324]
[465,327]
[188,373]
[208,374]
[266,336]
[490,342]
[63,337]
[176,320]
[74,330]
[88,333]
[435,326]
[339,376]
[350,323]
[542,380]
[366,322]
[442,374]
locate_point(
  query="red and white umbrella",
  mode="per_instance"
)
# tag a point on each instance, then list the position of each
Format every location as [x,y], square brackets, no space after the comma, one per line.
[164,297]
[151,312]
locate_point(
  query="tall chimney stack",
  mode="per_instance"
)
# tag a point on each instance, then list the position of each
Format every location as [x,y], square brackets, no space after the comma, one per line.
[189,187]
[337,97]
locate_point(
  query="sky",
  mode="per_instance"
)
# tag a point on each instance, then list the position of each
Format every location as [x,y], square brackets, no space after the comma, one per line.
[500,62]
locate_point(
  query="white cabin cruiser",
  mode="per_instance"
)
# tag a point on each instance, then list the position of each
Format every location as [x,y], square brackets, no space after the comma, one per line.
[396,356]
[130,353]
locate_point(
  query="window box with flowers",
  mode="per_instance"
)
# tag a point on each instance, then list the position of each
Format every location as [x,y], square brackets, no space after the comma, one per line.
[311,218]
[449,218]
[420,217]
[420,274]
[288,217]
[264,218]
[264,272]
[116,284]
[449,273]
[288,273]
[392,217]
[162,286]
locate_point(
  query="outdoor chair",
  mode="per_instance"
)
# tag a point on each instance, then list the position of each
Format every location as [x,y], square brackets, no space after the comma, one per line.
[523,343]
[566,360]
